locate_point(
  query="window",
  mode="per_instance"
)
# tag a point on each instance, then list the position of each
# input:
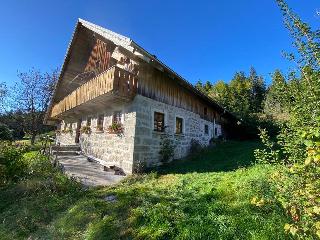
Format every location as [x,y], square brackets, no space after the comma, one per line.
[100,120]
[158,122]
[116,118]
[215,131]
[206,129]
[179,125]
[89,121]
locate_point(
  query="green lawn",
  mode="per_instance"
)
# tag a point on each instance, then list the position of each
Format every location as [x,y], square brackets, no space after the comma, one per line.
[203,197]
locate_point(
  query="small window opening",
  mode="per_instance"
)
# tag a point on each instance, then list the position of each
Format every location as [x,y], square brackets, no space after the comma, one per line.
[206,129]
[179,125]
[89,121]
[158,122]
[100,121]
[116,118]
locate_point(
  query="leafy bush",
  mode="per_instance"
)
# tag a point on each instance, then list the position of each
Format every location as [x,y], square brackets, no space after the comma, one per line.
[297,184]
[5,132]
[195,146]
[167,148]
[270,153]
[18,161]
[11,161]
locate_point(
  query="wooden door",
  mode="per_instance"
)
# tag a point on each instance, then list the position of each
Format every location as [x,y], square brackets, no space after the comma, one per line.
[77,139]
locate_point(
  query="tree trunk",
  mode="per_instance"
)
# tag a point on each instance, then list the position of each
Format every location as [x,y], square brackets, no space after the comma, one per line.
[33,138]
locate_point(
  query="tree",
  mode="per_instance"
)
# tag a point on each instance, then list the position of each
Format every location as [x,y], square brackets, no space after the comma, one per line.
[204,88]
[276,98]
[220,92]
[298,144]
[15,121]
[240,95]
[5,133]
[258,91]
[3,96]
[32,94]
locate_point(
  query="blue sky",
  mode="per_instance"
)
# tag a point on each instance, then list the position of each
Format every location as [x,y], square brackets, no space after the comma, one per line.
[207,40]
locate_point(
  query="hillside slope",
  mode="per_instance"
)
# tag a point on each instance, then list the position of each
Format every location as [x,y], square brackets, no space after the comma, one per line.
[204,197]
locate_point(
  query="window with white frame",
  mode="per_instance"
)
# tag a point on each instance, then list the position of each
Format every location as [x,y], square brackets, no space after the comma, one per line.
[116,117]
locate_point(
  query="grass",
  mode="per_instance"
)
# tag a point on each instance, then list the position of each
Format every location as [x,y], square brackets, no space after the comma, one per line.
[203,197]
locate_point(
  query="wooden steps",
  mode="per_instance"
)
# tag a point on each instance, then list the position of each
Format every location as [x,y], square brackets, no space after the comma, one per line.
[65,150]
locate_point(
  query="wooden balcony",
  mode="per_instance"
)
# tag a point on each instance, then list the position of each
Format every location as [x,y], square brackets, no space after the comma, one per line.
[112,84]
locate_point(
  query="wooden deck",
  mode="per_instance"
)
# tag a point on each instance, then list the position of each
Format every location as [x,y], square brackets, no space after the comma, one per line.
[114,80]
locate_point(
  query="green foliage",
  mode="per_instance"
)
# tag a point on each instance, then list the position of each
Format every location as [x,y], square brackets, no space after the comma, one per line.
[116,128]
[277,100]
[244,96]
[297,185]
[298,189]
[5,132]
[37,197]
[270,153]
[11,162]
[199,204]
[195,146]
[18,161]
[204,88]
[85,129]
[167,147]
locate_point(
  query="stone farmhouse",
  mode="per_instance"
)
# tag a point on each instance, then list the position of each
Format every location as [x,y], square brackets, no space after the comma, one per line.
[116,101]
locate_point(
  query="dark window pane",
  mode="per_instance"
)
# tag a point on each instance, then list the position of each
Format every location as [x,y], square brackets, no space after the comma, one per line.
[158,122]
[100,120]
[179,125]
[116,117]
[206,129]
[89,121]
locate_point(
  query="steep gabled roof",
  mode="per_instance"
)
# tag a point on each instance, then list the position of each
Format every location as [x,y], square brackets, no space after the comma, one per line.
[133,47]
[117,38]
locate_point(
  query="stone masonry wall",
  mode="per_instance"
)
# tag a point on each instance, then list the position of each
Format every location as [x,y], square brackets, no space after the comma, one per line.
[147,141]
[113,149]
[66,138]
[139,143]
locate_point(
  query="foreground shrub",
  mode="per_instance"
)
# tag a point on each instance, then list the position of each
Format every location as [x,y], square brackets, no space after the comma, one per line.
[195,146]
[298,189]
[298,183]
[167,148]
[11,161]
[18,161]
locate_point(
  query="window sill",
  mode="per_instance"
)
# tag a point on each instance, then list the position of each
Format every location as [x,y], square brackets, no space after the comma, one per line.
[158,133]
[179,135]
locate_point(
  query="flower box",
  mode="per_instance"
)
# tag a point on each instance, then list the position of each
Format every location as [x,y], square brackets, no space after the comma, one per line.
[85,129]
[115,128]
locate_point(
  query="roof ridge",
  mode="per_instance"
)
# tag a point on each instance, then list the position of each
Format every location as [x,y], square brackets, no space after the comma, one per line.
[104,31]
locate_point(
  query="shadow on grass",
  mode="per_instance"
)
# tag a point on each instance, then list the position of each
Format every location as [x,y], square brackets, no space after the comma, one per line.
[226,156]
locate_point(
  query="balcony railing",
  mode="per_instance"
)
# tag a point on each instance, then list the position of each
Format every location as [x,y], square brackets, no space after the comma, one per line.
[114,80]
